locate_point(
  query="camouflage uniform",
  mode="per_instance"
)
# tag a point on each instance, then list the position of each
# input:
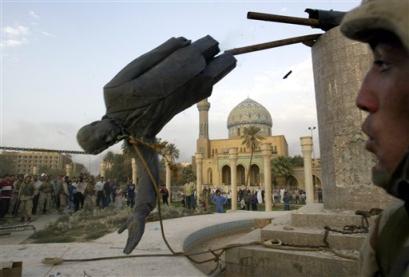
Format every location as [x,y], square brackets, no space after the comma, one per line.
[44,201]
[386,251]
[26,193]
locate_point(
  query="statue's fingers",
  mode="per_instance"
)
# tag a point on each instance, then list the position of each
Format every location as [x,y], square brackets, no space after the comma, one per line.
[147,61]
[123,228]
[136,229]
[219,67]
[208,46]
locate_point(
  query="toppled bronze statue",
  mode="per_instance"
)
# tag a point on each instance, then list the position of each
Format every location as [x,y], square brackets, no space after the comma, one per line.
[143,97]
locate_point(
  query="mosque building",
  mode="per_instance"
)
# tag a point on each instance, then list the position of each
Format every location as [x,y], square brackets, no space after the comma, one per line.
[216,155]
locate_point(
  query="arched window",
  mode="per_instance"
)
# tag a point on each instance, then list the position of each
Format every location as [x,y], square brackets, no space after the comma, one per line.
[254,175]
[241,179]
[226,180]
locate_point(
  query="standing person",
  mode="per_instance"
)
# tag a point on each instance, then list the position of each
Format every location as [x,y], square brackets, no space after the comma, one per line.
[384,96]
[297,196]
[247,199]
[89,193]
[259,196]
[303,197]
[26,195]
[99,189]
[46,190]
[57,186]
[189,195]
[206,195]
[240,194]
[37,184]
[219,201]
[242,204]
[130,194]
[6,191]
[165,195]
[64,193]
[72,188]
[282,190]
[80,193]
[254,201]
[107,193]
[228,195]
[113,190]
[286,201]
[14,202]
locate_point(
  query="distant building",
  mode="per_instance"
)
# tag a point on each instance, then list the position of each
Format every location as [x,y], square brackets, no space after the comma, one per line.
[32,162]
[215,163]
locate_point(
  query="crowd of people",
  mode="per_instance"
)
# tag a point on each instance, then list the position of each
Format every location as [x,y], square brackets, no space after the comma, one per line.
[27,195]
[248,198]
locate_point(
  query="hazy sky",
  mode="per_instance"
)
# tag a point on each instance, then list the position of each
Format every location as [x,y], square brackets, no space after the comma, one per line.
[57,55]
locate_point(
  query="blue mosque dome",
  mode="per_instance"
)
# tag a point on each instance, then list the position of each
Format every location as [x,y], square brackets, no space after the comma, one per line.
[249,113]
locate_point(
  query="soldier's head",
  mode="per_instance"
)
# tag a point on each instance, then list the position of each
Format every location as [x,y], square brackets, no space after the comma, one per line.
[27,178]
[384,94]
[43,177]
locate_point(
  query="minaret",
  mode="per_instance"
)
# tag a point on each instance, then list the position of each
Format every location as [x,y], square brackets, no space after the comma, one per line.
[203,140]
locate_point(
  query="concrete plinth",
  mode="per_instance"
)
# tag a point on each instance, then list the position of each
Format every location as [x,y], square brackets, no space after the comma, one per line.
[339,66]
[260,261]
[304,229]
[312,236]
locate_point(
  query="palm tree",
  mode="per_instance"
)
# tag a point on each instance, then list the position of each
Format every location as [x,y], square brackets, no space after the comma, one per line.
[127,149]
[109,159]
[171,152]
[251,139]
[282,167]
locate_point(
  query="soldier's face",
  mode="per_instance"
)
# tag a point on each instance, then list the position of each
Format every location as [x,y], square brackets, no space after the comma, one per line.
[385,96]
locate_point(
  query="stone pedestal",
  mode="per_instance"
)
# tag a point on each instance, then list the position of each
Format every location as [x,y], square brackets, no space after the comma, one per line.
[35,170]
[266,151]
[339,67]
[233,168]
[199,164]
[306,149]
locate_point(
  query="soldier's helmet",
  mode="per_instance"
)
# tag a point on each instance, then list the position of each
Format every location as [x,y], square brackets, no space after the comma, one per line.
[372,16]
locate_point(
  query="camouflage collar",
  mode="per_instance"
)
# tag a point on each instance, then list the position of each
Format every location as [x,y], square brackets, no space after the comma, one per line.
[399,182]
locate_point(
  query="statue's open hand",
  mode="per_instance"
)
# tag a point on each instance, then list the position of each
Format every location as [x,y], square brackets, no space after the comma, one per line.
[153,88]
